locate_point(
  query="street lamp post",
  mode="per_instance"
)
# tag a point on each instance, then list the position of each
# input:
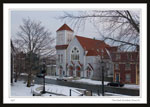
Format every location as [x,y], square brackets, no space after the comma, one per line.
[44,72]
[44,84]
[102,62]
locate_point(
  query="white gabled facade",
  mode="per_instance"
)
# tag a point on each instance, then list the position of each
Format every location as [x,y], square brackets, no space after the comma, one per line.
[74,63]
[73,58]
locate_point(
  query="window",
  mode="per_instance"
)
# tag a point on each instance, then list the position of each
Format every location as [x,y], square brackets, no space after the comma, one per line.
[60,58]
[69,38]
[75,54]
[117,56]
[129,56]
[128,77]
[116,66]
[127,66]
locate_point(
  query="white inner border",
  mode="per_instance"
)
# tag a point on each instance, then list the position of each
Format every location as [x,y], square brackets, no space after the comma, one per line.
[47,7]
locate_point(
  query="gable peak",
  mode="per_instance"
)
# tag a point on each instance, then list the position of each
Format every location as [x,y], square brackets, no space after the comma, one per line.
[65,27]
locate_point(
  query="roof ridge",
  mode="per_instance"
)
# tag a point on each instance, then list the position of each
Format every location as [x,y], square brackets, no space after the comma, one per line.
[92,39]
[87,38]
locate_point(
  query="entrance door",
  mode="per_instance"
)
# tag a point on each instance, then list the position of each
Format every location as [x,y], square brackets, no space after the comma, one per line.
[88,73]
[117,77]
[78,73]
[71,73]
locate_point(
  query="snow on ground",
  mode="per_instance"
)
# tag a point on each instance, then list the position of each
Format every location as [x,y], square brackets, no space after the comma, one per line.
[131,86]
[89,81]
[62,90]
[51,77]
[19,89]
[55,77]
[24,74]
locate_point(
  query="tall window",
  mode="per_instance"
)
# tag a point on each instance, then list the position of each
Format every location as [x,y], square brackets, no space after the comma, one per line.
[128,77]
[75,54]
[116,66]
[60,58]
[127,66]
[129,56]
[69,38]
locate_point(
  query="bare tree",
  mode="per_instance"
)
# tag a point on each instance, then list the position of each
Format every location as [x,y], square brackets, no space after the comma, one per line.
[35,39]
[16,57]
[117,27]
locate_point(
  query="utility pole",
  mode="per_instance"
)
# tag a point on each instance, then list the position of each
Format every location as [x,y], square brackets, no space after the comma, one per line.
[102,79]
[102,62]
[44,72]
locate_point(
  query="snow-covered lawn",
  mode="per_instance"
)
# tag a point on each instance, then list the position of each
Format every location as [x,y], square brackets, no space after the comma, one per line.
[62,90]
[19,89]
[89,81]
[51,77]
[55,77]
[131,86]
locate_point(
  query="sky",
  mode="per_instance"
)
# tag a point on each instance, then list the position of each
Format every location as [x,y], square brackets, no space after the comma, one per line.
[50,20]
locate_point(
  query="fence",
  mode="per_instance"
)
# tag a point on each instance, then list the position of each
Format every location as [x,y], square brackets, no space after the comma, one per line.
[71,90]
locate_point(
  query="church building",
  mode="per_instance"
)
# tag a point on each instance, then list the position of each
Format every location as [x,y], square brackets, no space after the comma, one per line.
[81,57]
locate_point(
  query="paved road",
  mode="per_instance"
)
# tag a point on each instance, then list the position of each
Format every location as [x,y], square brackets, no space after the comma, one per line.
[90,87]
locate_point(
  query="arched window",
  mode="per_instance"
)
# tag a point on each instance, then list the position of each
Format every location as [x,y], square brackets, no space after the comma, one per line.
[75,54]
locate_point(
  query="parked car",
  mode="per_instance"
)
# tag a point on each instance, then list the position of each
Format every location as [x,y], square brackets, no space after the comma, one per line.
[115,84]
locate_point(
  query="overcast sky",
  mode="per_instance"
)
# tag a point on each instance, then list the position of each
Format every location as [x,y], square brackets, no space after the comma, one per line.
[49,20]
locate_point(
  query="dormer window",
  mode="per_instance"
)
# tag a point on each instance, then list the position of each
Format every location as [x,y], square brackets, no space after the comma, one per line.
[75,54]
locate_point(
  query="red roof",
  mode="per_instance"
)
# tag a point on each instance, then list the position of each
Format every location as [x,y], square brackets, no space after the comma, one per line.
[92,45]
[113,48]
[65,27]
[61,46]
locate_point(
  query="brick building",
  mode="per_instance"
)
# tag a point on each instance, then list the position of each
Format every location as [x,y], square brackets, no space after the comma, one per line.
[19,62]
[126,67]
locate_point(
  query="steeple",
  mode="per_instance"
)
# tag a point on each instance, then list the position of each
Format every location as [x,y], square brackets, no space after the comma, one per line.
[64,35]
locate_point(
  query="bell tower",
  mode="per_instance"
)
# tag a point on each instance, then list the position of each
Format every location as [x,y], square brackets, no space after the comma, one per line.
[64,35]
